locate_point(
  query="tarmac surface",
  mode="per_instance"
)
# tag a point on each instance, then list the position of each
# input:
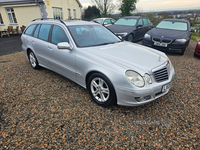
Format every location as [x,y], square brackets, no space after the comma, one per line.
[10,44]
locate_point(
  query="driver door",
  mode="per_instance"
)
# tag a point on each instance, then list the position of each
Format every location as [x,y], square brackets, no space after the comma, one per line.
[62,60]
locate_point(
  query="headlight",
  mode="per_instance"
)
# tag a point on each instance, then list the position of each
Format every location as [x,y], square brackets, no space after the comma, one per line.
[180,41]
[198,43]
[122,34]
[147,36]
[148,78]
[135,78]
[169,64]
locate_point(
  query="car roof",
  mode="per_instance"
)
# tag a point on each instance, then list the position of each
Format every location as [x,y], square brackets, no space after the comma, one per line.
[133,17]
[67,23]
[176,20]
[102,18]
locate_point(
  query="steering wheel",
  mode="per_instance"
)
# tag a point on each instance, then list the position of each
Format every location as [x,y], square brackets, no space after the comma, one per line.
[84,41]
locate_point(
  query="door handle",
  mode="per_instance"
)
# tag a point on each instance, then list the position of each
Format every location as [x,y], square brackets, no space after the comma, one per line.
[49,48]
[33,42]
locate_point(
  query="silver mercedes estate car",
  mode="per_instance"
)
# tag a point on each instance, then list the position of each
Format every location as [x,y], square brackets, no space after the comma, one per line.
[114,71]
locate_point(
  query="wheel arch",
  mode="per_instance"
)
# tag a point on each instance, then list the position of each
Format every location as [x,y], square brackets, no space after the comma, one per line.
[94,71]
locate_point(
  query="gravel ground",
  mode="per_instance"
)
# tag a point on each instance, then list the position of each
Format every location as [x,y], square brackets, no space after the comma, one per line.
[41,109]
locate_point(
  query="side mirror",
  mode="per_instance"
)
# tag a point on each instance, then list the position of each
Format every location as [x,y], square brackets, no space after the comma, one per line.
[192,30]
[139,26]
[152,26]
[64,45]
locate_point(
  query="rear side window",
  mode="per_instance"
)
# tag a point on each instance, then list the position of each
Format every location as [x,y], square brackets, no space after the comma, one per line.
[145,21]
[148,21]
[58,35]
[112,21]
[36,31]
[107,21]
[30,30]
[140,22]
[44,31]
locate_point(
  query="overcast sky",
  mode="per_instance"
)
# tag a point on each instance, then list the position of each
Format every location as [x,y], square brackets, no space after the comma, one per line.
[158,5]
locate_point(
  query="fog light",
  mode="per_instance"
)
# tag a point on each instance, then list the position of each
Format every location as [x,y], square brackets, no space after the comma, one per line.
[141,99]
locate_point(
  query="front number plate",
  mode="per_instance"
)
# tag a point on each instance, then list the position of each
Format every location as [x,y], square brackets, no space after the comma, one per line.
[160,44]
[166,87]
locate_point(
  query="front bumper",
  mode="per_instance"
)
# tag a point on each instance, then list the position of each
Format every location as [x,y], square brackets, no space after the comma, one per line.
[172,47]
[126,96]
[197,50]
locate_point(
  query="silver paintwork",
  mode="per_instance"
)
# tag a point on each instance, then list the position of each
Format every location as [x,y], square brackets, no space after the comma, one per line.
[111,60]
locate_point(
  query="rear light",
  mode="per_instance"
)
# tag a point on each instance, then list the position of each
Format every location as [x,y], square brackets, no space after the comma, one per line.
[21,42]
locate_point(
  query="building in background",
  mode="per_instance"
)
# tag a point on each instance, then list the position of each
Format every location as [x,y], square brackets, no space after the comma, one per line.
[21,12]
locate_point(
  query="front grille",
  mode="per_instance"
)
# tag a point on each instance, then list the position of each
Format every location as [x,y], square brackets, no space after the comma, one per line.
[162,40]
[156,39]
[160,75]
[166,41]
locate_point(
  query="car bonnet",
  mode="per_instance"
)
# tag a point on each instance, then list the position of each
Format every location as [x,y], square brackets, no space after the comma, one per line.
[129,56]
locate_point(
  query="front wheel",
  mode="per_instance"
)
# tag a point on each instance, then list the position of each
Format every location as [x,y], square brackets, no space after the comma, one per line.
[130,38]
[33,60]
[101,90]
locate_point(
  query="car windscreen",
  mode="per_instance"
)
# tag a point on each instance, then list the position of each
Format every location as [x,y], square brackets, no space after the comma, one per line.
[126,22]
[92,35]
[172,25]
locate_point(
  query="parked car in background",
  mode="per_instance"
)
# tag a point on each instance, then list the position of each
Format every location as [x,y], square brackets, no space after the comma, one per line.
[197,49]
[104,21]
[131,28]
[114,71]
[171,35]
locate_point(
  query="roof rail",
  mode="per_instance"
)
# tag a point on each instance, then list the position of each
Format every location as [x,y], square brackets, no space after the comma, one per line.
[48,19]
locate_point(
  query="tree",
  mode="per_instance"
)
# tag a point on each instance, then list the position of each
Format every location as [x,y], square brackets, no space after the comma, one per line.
[106,7]
[127,6]
[91,12]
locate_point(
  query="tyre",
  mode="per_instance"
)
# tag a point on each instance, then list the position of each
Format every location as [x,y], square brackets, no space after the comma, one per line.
[130,38]
[182,52]
[101,90]
[33,60]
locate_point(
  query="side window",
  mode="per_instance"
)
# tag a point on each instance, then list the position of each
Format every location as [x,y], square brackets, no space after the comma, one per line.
[36,31]
[44,31]
[30,30]
[145,21]
[58,35]
[107,21]
[112,21]
[149,21]
[140,22]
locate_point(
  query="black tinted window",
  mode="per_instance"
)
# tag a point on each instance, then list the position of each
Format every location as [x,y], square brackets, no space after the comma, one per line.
[44,31]
[58,35]
[30,30]
[36,31]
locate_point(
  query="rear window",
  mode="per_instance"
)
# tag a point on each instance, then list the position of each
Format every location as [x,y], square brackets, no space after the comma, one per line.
[30,30]
[172,25]
[44,31]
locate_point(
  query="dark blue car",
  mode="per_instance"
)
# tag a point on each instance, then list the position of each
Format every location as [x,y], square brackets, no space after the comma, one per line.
[131,28]
[171,35]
